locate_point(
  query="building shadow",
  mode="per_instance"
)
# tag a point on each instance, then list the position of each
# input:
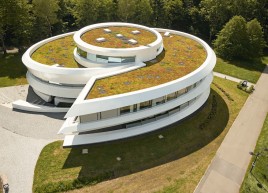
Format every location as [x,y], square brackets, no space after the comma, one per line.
[35,99]
[147,151]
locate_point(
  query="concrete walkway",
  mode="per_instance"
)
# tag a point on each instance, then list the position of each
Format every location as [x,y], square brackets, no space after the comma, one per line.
[22,137]
[226,171]
[18,156]
[224,76]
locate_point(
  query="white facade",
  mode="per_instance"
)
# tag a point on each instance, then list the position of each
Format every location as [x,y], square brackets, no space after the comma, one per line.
[123,115]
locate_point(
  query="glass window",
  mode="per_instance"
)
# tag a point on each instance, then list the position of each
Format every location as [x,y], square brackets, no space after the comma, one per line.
[159,100]
[128,59]
[91,57]
[81,53]
[102,59]
[171,96]
[124,110]
[182,91]
[145,105]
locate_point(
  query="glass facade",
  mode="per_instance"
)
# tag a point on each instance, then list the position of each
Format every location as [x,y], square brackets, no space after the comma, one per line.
[105,59]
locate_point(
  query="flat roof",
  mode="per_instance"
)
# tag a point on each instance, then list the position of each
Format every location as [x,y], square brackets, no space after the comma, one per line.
[59,51]
[144,38]
[181,56]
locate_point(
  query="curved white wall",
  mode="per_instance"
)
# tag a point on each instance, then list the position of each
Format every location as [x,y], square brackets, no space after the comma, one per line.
[72,140]
[61,74]
[83,107]
[142,53]
[133,116]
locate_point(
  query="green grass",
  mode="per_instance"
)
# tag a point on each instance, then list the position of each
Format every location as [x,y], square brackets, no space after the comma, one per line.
[257,181]
[185,143]
[182,56]
[245,70]
[12,70]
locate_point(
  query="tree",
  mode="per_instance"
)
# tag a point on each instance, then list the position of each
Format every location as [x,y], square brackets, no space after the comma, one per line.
[232,41]
[15,19]
[126,10]
[47,11]
[85,12]
[143,12]
[256,40]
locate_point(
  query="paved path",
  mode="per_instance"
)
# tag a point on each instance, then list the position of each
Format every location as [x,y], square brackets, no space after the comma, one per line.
[18,156]
[226,171]
[229,78]
[22,137]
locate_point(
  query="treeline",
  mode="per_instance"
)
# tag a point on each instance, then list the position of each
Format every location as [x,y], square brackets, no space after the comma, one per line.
[24,22]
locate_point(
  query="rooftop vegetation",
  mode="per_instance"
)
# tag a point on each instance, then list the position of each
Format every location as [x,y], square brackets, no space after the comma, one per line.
[175,163]
[59,51]
[181,56]
[144,38]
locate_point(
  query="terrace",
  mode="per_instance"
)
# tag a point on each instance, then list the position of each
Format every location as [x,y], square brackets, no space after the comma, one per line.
[181,56]
[118,37]
[59,51]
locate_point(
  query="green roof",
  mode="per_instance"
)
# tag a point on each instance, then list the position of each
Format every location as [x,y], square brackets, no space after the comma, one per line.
[181,56]
[145,37]
[59,51]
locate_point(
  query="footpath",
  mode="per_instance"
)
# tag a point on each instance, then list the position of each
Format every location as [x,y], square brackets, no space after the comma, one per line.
[227,170]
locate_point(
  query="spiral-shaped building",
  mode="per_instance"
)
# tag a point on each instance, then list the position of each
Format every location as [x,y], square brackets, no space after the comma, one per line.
[120,79]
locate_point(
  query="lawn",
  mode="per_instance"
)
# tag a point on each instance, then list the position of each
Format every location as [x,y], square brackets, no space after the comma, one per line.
[257,181]
[144,38]
[59,51]
[181,56]
[12,72]
[245,70]
[176,162]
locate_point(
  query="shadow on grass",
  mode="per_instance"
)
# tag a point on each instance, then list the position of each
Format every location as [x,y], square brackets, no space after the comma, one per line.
[147,151]
[251,65]
[12,67]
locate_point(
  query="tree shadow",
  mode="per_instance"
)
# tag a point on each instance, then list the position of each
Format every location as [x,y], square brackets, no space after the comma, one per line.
[147,151]
[12,66]
[251,65]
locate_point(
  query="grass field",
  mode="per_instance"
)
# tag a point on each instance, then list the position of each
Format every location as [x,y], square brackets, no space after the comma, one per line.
[245,70]
[173,164]
[257,181]
[12,70]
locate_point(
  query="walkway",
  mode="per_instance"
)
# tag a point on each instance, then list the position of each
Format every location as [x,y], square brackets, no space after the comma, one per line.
[18,156]
[226,171]
[22,137]
[224,76]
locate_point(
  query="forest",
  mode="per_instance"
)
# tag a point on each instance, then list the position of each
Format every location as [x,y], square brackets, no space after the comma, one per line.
[228,25]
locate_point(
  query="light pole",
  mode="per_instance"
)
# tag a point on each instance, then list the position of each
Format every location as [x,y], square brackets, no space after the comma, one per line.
[259,153]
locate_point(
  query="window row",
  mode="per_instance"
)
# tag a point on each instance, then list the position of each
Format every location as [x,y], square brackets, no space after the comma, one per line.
[104,59]
[137,107]
[157,101]
[161,115]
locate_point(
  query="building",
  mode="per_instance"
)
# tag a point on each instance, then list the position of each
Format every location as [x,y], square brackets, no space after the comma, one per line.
[120,79]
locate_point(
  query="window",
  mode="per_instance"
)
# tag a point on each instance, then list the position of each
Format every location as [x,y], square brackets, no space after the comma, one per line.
[182,91]
[145,105]
[159,100]
[171,96]
[81,53]
[124,110]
